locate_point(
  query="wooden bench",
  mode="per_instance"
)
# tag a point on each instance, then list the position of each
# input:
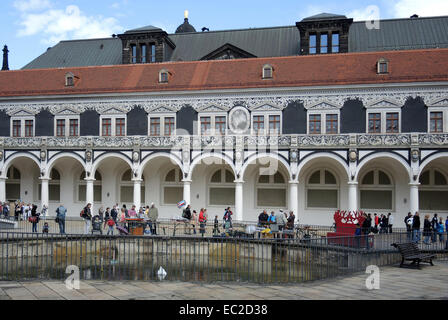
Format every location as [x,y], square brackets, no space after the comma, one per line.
[411,252]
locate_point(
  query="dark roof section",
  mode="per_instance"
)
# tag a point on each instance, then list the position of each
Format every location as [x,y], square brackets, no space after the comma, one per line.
[80,53]
[394,34]
[145,29]
[185,27]
[399,34]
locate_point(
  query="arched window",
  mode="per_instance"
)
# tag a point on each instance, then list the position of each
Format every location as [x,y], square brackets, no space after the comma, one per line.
[173,190]
[127,188]
[163,76]
[271,191]
[97,187]
[221,188]
[268,71]
[433,190]
[382,66]
[376,191]
[322,190]
[54,187]
[13,184]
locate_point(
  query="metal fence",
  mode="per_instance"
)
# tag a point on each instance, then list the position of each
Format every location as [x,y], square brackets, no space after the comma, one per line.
[45,256]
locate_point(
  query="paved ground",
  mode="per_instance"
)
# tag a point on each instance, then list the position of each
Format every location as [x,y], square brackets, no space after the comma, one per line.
[395,283]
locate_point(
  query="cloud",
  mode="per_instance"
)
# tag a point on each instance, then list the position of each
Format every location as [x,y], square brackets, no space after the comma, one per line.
[427,8]
[31,5]
[366,14]
[55,25]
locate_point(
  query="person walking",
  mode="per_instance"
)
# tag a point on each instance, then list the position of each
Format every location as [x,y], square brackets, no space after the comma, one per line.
[87,216]
[427,230]
[61,212]
[202,221]
[194,220]
[186,214]
[34,216]
[153,215]
[416,233]
[390,221]
[440,229]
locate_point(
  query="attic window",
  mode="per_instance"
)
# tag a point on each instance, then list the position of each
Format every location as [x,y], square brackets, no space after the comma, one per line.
[382,66]
[69,80]
[267,71]
[163,76]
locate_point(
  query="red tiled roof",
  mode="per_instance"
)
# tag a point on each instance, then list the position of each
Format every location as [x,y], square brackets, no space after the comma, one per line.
[298,71]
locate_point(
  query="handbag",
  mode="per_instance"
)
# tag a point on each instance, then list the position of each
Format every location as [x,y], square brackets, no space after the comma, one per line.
[56,220]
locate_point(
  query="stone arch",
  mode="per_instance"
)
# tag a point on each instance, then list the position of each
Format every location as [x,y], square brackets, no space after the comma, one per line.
[175,160]
[203,156]
[110,155]
[53,161]
[320,156]
[16,155]
[429,160]
[379,155]
[274,156]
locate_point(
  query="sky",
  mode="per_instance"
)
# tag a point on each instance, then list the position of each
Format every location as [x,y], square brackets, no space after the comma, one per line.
[30,27]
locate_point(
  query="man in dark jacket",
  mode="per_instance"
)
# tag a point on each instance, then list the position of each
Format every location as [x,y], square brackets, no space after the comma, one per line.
[87,216]
[187,215]
[263,219]
[114,214]
[416,234]
[434,224]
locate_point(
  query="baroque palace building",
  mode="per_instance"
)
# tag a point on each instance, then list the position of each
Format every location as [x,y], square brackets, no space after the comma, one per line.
[326,114]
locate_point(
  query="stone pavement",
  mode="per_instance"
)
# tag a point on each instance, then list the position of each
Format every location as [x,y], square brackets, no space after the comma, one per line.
[395,283]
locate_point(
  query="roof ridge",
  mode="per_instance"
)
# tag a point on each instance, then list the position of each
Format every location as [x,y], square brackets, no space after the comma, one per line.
[401,19]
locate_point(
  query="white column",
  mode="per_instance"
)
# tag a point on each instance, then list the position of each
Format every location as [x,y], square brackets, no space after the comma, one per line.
[187,191]
[44,192]
[294,197]
[239,200]
[89,192]
[137,193]
[2,189]
[352,197]
[414,198]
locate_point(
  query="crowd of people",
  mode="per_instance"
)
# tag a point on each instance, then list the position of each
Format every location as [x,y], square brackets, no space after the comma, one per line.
[277,222]
[22,211]
[432,229]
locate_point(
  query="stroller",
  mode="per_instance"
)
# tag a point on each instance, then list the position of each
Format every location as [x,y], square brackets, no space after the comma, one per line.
[96,225]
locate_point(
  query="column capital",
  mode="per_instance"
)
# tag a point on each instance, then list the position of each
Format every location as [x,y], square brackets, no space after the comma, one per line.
[293,182]
[238,181]
[89,179]
[137,180]
[44,179]
[353,183]
[415,184]
[187,181]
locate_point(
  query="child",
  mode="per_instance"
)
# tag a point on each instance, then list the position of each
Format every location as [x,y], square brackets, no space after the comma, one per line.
[111,224]
[216,226]
[45,228]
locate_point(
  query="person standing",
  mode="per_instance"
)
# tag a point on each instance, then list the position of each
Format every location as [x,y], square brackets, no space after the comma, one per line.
[101,213]
[202,221]
[263,219]
[416,234]
[34,216]
[390,221]
[365,229]
[61,212]
[216,226]
[434,223]
[132,213]
[408,223]
[281,221]
[186,214]
[426,230]
[114,213]
[87,216]
[440,229]
[107,216]
[110,223]
[194,220]
[153,215]
[228,219]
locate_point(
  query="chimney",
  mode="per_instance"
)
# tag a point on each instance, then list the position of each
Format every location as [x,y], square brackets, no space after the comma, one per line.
[5,59]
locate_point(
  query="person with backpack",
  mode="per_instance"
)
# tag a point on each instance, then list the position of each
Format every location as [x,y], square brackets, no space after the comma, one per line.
[61,212]
[34,218]
[86,214]
[408,223]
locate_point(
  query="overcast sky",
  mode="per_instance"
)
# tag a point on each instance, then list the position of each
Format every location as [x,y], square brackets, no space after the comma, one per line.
[29,27]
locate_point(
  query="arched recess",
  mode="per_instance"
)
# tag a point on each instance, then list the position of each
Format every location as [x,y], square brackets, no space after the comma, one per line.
[13,184]
[221,187]
[82,187]
[266,178]
[322,189]
[384,155]
[109,156]
[270,160]
[14,157]
[159,155]
[171,186]
[54,186]
[210,158]
[126,188]
[60,157]
[433,179]
[324,156]
[377,190]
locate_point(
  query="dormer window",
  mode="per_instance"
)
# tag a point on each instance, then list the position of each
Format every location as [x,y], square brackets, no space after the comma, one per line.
[163,76]
[313,44]
[382,66]
[69,80]
[267,71]
[324,43]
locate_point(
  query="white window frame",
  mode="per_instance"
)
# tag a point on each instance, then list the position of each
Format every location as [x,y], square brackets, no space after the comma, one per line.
[212,117]
[383,113]
[322,186]
[323,120]
[377,187]
[266,122]
[270,185]
[22,120]
[264,76]
[223,184]
[113,118]
[67,124]
[162,117]
[165,184]
[444,111]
